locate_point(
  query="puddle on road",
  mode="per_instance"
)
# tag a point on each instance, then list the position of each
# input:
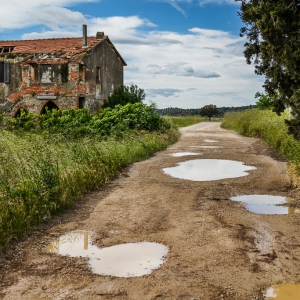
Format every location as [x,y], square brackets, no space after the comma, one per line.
[210,141]
[210,147]
[266,204]
[180,154]
[208,169]
[124,260]
[206,147]
[283,292]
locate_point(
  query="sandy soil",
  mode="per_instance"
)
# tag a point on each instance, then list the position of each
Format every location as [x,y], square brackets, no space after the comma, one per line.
[217,249]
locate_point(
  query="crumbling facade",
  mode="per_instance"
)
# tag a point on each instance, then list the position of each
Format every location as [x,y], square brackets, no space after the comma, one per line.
[58,73]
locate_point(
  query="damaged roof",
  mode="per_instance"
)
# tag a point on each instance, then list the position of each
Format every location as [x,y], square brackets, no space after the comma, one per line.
[70,48]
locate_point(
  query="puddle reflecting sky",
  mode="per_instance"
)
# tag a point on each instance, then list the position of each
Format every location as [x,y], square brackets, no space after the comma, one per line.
[210,147]
[124,260]
[210,141]
[266,204]
[208,169]
[206,147]
[180,154]
[283,292]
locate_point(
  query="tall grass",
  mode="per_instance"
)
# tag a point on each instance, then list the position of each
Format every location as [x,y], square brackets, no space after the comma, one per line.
[184,121]
[41,174]
[270,127]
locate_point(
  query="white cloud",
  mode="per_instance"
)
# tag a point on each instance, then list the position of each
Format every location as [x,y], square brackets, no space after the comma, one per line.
[163,92]
[19,13]
[181,69]
[177,4]
[202,2]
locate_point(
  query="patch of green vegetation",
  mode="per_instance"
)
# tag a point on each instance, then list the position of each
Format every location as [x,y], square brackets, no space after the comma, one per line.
[49,162]
[272,128]
[81,123]
[125,94]
[185,120]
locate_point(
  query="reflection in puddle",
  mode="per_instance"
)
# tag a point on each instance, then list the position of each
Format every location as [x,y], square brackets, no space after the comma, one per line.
[283,292]
[179,154]
[208,169]
[125,260]
[210,141]
[266,204]
[207,147]
[210,147]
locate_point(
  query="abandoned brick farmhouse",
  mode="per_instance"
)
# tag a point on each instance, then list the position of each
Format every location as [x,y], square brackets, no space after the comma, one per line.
[58,73]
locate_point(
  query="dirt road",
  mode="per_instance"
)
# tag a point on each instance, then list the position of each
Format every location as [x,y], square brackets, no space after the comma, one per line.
[217,249]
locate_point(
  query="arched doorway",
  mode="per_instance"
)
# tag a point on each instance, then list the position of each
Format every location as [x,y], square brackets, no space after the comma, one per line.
[50,105]
[18,112]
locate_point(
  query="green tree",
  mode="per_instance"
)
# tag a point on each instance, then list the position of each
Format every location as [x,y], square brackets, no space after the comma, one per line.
[125,94]
[273,46]
[264,101]
[209,111]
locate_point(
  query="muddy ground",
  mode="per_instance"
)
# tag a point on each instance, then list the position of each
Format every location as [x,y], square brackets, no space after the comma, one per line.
[217,249]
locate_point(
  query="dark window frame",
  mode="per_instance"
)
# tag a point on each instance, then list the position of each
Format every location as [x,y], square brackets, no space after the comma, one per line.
[4,72]
[98,75]
[6,49]
[81,102]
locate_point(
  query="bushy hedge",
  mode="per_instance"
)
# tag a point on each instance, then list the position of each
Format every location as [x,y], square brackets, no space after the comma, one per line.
[78,123]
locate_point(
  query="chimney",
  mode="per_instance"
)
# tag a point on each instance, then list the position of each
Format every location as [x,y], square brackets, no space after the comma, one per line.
[100,35]
[84,33]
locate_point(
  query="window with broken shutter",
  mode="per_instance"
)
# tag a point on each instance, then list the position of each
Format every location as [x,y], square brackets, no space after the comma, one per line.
[46,75]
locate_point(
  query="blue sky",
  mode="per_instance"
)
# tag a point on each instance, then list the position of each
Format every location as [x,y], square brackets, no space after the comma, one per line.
[183,53]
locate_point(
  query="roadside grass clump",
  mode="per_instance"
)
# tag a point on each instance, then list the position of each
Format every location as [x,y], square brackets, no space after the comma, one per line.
[272,128]
[184,121]
[47,166]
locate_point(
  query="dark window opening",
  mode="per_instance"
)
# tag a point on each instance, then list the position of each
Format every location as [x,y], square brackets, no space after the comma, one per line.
[81,102]
[6,49]
[4,72]
[49,106]
[81,73]
[64,73]
[98,75]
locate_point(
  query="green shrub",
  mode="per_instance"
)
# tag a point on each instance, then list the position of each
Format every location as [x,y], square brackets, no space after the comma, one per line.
[77,123]
[125,94]
[25,121]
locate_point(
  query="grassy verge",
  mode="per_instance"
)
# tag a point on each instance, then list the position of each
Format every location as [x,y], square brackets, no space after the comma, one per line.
[41,174]
[266,125]
[185,120]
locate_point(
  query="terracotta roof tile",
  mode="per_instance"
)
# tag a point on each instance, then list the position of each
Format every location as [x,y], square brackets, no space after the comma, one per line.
[65,45]
[70,48]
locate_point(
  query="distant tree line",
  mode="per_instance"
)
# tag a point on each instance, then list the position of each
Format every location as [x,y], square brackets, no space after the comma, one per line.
[175,111]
